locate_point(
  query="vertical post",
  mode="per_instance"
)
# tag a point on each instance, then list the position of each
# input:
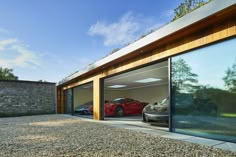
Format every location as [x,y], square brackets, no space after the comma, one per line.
[65,99]
[102,99]
[60,100]
[170,95]
[56,99]
[97,99]
[72,101]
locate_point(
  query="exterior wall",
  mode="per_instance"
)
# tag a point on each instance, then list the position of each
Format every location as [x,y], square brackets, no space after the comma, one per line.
[19,98]
[208,31]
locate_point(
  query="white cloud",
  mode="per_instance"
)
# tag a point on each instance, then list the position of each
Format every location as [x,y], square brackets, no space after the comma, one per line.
[127,28]
[5,43]
[117,33]
[5,31]
[15,54]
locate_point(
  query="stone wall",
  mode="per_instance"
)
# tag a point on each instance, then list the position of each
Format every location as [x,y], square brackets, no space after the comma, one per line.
[19,98]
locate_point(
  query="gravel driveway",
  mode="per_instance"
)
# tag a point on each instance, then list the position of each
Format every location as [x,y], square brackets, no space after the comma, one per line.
[57,135]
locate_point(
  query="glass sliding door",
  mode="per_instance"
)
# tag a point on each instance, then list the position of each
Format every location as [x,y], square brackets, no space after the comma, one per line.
[83,100]
[204,91]
[68,95]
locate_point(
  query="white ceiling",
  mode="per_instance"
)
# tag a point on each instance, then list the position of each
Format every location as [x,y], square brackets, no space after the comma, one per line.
[159,71]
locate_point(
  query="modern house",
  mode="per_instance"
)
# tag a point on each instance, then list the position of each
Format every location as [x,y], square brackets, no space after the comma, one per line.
[190,61]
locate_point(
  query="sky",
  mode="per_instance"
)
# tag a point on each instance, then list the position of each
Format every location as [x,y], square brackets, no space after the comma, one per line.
[51,39]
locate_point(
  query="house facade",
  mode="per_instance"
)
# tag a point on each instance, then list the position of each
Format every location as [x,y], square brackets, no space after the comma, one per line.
[191,61]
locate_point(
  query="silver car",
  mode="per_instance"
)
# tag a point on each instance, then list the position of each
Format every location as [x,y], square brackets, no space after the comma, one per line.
[157,112]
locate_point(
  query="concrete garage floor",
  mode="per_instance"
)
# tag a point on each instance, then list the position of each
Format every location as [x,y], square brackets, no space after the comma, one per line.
[127,121]
[135,123]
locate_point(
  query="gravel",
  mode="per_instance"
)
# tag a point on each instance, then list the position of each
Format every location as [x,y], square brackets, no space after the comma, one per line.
[57,135]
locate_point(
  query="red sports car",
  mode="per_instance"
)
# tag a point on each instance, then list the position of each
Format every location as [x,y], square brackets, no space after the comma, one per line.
[123,106]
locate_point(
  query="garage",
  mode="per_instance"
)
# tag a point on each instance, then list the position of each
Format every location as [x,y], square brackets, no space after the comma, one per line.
[201,91]
[137,95]
[83,100]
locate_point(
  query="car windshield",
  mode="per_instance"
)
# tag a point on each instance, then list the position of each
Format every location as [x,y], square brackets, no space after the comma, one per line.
[118,100]
[164,101]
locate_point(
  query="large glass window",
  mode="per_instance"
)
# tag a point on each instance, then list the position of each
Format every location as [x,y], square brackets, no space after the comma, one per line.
[68,101]
[83,100]
[204,91]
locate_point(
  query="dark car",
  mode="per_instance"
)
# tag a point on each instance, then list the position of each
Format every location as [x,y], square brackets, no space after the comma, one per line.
[85,109]
[157,112]
[123,106]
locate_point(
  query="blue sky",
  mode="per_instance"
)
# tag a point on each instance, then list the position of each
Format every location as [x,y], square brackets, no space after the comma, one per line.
[50,39]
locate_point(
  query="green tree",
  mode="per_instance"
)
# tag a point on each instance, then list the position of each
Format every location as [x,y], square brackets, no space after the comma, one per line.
[187,6]
[7,74]
[230,78]
[182,77]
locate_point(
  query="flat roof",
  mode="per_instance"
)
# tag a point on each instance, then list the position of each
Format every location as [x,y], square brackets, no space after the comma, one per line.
[187,20]
[26,81]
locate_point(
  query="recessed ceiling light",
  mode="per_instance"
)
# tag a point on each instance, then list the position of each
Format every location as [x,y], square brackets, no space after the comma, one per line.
[117,86]
[147,80]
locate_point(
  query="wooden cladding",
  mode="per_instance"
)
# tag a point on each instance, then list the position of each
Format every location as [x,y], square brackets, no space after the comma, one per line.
[60,104]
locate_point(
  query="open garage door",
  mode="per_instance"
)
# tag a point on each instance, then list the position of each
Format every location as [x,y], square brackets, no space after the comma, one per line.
[138,95]
[83,100]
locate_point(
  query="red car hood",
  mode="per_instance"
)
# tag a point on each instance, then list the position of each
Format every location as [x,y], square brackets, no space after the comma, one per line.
[108,104]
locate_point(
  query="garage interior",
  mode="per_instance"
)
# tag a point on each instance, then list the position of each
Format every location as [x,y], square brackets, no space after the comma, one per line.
[83,100]
[147,84]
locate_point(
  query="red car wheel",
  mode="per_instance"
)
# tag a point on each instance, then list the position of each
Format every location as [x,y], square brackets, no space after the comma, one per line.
[119,111]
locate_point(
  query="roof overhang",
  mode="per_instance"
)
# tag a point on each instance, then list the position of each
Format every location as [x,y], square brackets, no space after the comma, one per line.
[192,18]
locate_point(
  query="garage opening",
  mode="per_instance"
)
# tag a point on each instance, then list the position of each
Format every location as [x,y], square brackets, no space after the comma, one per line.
[83,100]
[139,96]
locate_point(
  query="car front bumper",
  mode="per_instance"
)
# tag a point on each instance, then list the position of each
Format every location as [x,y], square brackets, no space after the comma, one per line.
[155,117]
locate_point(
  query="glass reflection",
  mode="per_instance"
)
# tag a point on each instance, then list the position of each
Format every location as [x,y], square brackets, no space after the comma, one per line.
[204,91]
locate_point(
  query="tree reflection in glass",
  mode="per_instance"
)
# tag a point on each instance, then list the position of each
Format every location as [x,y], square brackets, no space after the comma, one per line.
[204,91]
[230,78]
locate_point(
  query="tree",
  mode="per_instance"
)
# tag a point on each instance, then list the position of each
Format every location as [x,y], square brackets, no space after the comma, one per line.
[187,6]
[230,78]
[182,77]
[114,50]
[7,74]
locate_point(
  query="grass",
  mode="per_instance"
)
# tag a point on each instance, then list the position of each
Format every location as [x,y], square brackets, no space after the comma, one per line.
[228,115]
